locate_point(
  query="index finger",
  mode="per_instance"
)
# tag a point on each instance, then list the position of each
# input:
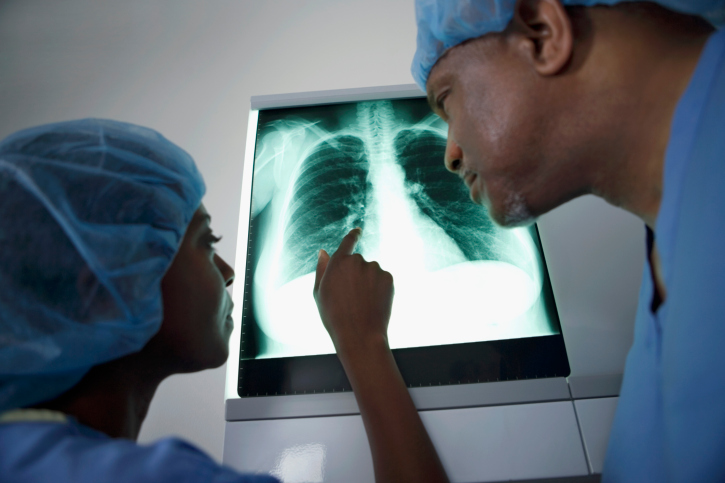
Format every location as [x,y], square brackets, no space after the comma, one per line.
[347,245]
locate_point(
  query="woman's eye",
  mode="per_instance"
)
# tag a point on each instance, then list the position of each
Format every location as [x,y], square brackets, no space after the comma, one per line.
[212,240]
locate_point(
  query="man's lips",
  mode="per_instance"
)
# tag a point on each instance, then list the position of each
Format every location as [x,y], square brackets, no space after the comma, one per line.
[469,177]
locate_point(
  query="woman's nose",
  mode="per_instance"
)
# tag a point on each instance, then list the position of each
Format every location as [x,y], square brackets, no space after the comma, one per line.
[227,271]
[453,156]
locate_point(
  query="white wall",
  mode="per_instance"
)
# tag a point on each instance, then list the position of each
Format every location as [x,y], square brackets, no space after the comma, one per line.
[188,68]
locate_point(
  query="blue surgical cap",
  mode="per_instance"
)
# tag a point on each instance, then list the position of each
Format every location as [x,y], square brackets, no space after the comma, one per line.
[92,212]
[443,24]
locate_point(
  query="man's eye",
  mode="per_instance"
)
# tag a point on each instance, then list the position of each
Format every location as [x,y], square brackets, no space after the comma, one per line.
[441,105]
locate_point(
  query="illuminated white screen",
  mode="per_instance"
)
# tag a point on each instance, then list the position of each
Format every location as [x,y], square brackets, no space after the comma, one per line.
[321,171]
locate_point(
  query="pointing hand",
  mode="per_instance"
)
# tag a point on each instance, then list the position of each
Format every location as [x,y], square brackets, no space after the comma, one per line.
[354,297]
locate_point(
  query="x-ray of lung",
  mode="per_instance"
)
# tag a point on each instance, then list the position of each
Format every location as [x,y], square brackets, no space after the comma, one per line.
[321,171]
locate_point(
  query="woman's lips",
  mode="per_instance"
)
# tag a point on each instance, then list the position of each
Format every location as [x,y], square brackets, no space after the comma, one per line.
[229,320]
[231,309]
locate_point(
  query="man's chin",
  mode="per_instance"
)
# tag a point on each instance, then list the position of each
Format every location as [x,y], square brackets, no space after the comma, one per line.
[514,213]
[517,222]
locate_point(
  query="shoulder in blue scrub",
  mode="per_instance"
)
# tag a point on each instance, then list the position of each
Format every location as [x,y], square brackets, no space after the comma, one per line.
[68,452]
[670,422]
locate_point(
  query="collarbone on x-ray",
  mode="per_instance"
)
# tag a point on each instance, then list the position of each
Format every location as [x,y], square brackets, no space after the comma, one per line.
[378,165]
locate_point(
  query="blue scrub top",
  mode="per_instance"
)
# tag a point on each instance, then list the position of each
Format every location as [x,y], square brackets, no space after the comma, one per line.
[68,452]
[670,421]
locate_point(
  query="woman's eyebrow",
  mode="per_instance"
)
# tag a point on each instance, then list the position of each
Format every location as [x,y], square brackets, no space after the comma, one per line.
[200,223]
[203,220]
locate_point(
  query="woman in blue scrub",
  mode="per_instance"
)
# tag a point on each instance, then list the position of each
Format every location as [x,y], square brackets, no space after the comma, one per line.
[110,283]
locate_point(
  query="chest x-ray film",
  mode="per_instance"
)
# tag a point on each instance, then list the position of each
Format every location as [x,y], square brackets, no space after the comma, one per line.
[320,171]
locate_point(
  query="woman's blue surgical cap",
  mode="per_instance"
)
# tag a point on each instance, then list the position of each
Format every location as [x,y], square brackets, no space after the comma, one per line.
[92,213]
[443,24]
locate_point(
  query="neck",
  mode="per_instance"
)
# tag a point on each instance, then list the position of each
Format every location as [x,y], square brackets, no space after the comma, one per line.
[643,58]
[112,398]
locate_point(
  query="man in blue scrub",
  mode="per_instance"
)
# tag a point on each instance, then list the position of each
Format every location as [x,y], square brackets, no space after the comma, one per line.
[547,100]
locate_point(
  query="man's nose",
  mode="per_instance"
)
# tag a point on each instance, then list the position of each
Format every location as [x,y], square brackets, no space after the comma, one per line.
[453,156]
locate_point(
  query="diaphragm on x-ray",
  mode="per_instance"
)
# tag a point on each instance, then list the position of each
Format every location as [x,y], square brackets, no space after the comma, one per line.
[321,171]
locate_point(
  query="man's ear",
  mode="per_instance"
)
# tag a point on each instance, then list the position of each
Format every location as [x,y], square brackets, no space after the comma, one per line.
[545,34]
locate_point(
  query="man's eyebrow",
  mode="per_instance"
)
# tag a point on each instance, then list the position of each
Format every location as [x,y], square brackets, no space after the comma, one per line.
[431,101]
[443,81]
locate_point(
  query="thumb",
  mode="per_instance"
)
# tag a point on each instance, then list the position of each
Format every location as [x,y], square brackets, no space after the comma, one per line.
[322,259]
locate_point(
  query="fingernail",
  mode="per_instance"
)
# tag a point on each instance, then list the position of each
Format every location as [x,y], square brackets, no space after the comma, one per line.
[358,228]
[319,254]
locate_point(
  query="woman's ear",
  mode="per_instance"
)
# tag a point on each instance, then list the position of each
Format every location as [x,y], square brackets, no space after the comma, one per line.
[544,34]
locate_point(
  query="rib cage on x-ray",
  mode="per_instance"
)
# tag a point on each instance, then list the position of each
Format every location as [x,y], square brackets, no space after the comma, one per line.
[442,196]
[329,198]
[334,190]
[380,169]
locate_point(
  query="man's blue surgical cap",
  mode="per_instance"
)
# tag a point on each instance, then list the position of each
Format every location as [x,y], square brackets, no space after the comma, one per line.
[443,24]
[92,213]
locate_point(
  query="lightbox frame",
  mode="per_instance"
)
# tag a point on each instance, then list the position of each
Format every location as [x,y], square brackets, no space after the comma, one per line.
[330,404]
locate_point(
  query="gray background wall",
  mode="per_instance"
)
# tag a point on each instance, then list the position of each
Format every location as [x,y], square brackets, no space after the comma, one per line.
[188,68]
